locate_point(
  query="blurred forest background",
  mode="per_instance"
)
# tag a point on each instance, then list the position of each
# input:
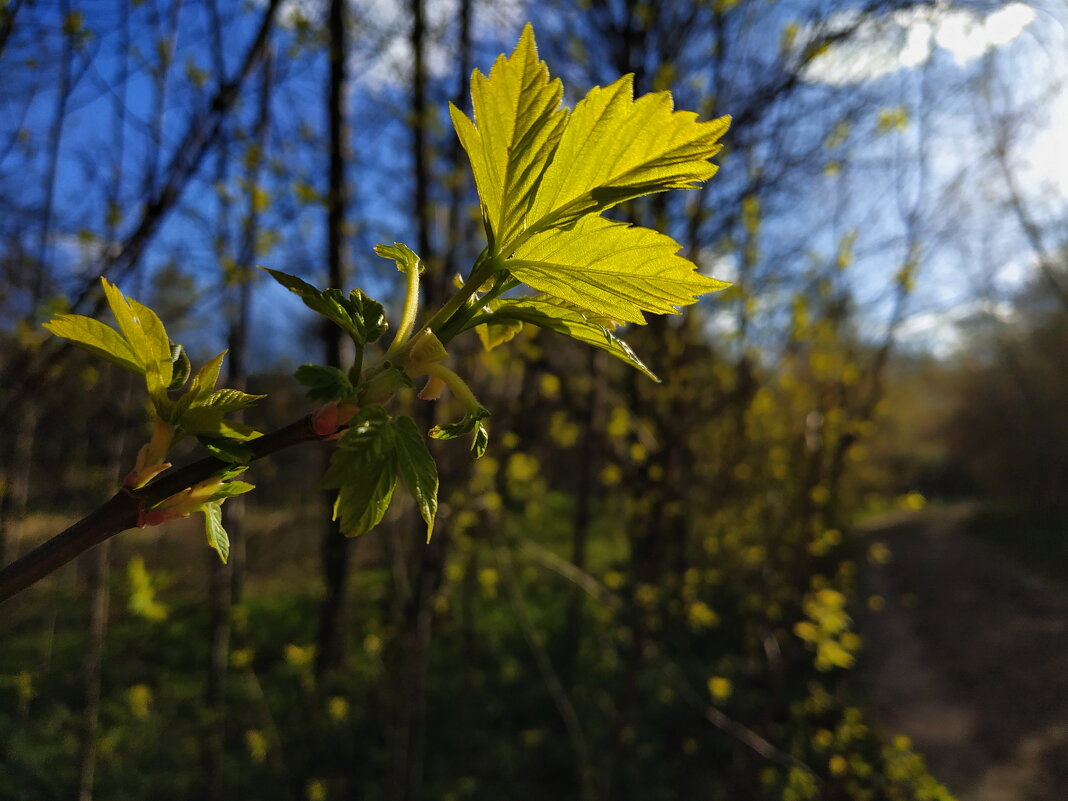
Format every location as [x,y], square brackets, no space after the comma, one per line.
[642,591]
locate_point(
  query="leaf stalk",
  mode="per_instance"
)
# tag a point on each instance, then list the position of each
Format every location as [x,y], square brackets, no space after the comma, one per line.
[411,308]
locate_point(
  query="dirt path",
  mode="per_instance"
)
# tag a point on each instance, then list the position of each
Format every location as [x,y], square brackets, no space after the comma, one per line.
[970,660]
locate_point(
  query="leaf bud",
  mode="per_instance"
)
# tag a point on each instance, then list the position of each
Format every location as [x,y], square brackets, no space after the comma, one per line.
[150,458]
[426,349]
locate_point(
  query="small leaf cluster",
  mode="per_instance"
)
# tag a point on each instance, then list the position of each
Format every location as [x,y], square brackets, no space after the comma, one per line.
[373,454]
[545,174]
[141,345]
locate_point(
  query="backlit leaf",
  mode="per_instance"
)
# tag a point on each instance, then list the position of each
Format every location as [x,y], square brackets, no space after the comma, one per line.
[417,469]
[147,337]
[227,450]
[470,424]
[210,421]
[231,489]
[230,400]
[204,381]
[615,148]
[459,428]
[480,440]
[517,125]
[406,259]
[611,269]
[180,367]
[213,528]
[97,338]
[494,330]
[563,318]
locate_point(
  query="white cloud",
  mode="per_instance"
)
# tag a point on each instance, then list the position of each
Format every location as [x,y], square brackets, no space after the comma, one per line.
[1007,23]
[723,266]
[883,45]
[941,331]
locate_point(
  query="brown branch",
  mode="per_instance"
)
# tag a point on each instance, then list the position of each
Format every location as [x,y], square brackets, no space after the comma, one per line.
[127,508]
[7,22]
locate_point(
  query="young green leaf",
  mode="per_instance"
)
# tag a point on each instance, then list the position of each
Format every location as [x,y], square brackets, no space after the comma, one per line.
[213,528]
[361,317]
[204,381]
[366,429]
[231,472]
[364,498]
[518,123]
[228,450]
[406,259]
[494,330]
[364,471]
[417,469]
[459,428]
[210,421]
[611,268]
[201,411]
[563,318]
[615,148]
[99,339]
[324,383]
[480,440]
[372,313]
[470,424]
[180,367]
[200,388]
[148,339]
[231,489]
[229,400]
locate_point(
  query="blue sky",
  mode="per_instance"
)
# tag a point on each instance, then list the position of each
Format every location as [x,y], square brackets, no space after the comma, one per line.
[906,61]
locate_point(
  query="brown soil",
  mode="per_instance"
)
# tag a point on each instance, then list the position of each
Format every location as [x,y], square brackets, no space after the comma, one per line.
[969,659]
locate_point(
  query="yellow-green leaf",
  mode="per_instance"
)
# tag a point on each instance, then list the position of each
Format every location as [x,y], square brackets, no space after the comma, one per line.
[615,148]
[204,381]
[496,331]
[417,470]
[517,125]
[405,258]
[213,529]
[563,318]
[97,338]
[147,337]
[210,422]
[611,269]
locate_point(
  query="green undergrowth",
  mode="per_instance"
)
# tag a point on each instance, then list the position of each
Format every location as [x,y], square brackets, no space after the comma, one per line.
[697,688]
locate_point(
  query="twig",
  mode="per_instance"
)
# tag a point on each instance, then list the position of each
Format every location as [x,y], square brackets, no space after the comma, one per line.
[127,508]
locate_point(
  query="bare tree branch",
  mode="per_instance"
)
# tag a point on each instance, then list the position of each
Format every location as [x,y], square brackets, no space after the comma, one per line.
[203,131]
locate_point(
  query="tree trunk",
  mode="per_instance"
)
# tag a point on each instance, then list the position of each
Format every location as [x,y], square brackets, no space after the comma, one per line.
[335,547]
